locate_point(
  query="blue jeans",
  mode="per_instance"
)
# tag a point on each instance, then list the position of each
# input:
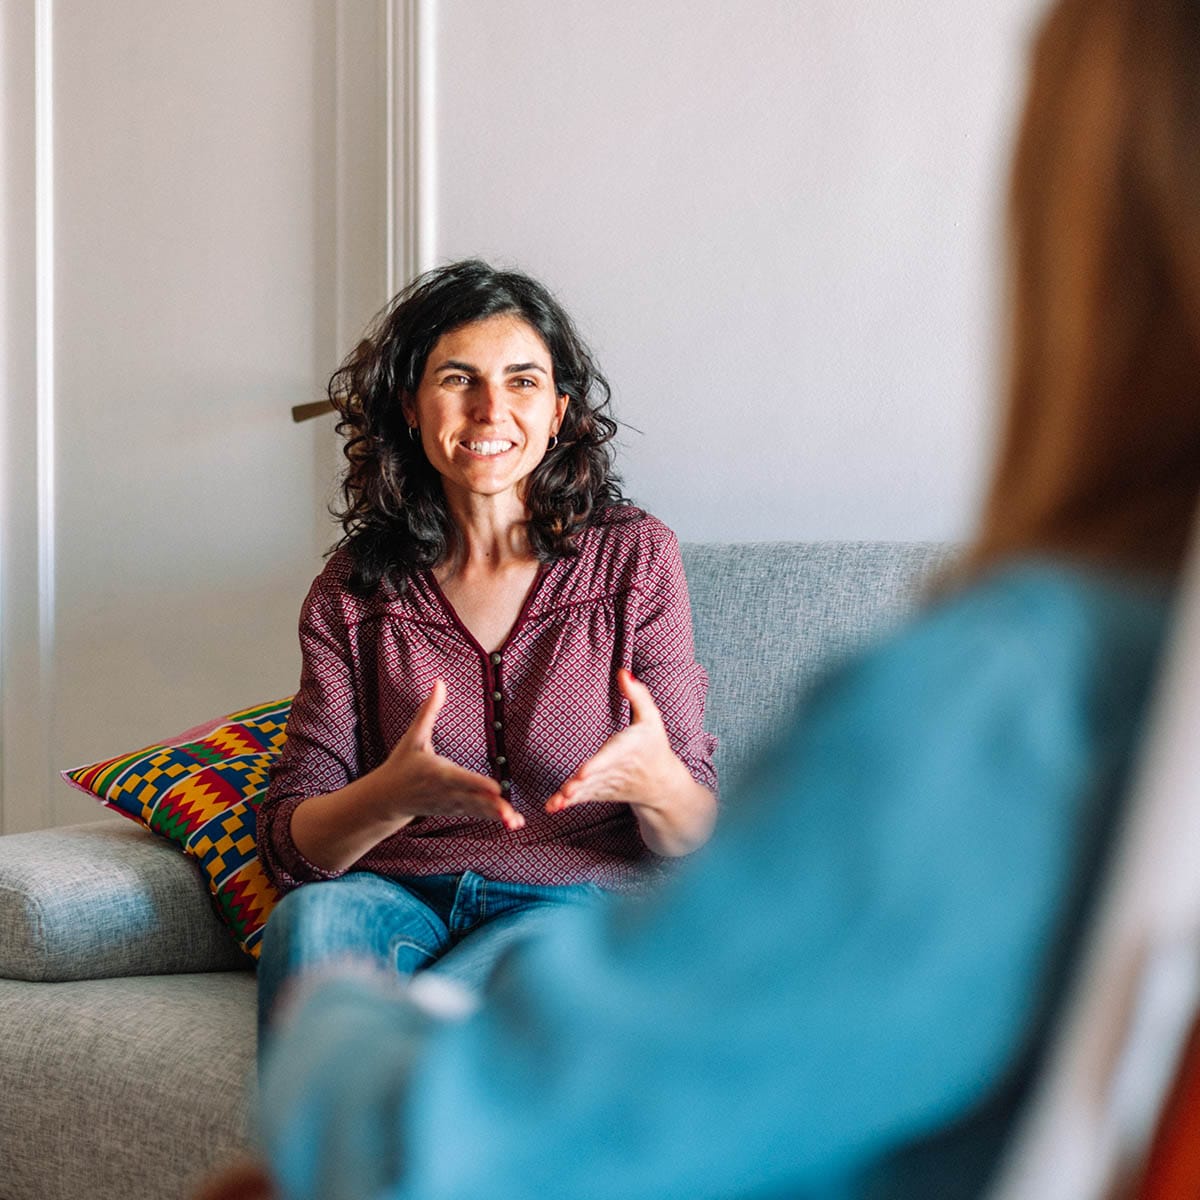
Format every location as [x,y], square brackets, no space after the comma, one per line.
[460,922]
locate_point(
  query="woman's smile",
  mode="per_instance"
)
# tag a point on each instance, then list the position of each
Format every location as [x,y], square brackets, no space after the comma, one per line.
[487,449]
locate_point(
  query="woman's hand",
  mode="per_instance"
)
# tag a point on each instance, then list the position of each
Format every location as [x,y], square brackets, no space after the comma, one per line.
[638,767]
[415,781]
[245,1180]
[333,831]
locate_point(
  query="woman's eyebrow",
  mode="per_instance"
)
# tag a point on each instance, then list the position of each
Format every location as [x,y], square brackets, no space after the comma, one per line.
[456,364]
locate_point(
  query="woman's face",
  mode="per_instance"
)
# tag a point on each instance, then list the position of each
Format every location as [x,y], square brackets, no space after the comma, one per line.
[486,406]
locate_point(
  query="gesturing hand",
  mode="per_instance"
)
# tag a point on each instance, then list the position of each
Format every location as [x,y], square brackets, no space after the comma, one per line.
[633,766]
[421,782]
[638,767]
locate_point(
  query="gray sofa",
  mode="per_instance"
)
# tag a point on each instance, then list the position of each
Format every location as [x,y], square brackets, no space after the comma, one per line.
[126,1013]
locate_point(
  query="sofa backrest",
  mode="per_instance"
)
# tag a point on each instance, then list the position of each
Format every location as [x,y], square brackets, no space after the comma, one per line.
[772,616]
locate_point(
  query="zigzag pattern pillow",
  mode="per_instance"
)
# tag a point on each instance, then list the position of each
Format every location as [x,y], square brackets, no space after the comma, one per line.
[201,790]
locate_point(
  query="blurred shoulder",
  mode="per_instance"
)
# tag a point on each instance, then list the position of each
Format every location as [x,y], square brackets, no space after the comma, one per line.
[1024,687]
[1060,604]
[1029,633]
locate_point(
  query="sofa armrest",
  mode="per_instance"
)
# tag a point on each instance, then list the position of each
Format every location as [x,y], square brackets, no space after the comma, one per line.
[103,900]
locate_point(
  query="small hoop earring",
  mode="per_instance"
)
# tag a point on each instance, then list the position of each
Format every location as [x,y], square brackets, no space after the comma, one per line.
[414,433]
[552,442]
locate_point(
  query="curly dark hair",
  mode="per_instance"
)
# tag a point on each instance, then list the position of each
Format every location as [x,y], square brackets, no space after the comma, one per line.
[393,512]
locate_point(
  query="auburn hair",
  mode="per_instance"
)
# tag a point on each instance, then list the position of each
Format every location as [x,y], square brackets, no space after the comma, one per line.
[1100,454]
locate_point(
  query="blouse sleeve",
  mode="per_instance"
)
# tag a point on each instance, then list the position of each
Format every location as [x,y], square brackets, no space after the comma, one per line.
[664,656]
[321,751]
[861,959]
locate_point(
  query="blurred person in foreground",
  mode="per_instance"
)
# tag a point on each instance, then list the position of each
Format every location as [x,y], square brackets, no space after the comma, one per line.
[847,993]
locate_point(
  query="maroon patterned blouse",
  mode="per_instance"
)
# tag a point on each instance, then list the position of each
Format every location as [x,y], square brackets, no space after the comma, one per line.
[528,714]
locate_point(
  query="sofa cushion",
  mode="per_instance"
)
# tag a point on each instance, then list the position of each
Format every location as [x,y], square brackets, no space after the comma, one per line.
[123,1089]
[90,901]
[201,790]
[770,617]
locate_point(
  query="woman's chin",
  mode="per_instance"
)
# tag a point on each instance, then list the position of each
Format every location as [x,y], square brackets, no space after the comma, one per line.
[488,484]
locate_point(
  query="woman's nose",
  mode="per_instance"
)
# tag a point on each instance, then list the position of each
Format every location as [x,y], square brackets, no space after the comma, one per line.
[487,402]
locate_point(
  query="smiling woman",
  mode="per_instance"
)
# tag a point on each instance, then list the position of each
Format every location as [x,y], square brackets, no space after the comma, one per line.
[500,711]
[486,410]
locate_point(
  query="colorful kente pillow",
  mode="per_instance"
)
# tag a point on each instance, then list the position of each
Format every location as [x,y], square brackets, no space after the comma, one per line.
[201,790]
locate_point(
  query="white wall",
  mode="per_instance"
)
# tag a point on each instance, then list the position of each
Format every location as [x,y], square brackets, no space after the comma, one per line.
[777,221]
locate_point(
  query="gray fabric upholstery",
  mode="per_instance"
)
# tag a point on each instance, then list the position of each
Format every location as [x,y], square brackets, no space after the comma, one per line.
[105,899]
[130,1088]
[770,617]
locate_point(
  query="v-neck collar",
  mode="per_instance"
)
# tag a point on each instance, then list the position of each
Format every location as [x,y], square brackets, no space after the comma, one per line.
[442,599]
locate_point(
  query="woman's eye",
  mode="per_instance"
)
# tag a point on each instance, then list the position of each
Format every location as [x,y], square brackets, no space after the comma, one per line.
[525,382]
[455,381]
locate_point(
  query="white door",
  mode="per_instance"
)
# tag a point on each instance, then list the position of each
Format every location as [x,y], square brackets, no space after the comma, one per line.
[192,229]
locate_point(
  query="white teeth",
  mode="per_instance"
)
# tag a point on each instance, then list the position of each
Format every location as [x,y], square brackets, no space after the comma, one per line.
[488,447]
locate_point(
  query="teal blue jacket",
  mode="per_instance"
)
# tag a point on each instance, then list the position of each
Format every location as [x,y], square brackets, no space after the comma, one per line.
[843,995]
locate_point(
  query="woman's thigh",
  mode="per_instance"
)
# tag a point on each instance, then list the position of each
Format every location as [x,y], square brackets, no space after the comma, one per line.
[360,915]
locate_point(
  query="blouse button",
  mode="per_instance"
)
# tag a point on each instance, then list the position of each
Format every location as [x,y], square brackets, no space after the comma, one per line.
[497,696]
[501,760]
[497,659]
[506,786]
[497,725]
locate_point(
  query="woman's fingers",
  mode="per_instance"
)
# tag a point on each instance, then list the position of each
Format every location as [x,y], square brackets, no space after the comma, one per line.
[563,798]
[579,791]
[447,776]
[450,788]
[629,766]
[641,702]
[487,807]
[509,817]
[606,776]
[558,802]
[427,784]
[596,778]
[420,731]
